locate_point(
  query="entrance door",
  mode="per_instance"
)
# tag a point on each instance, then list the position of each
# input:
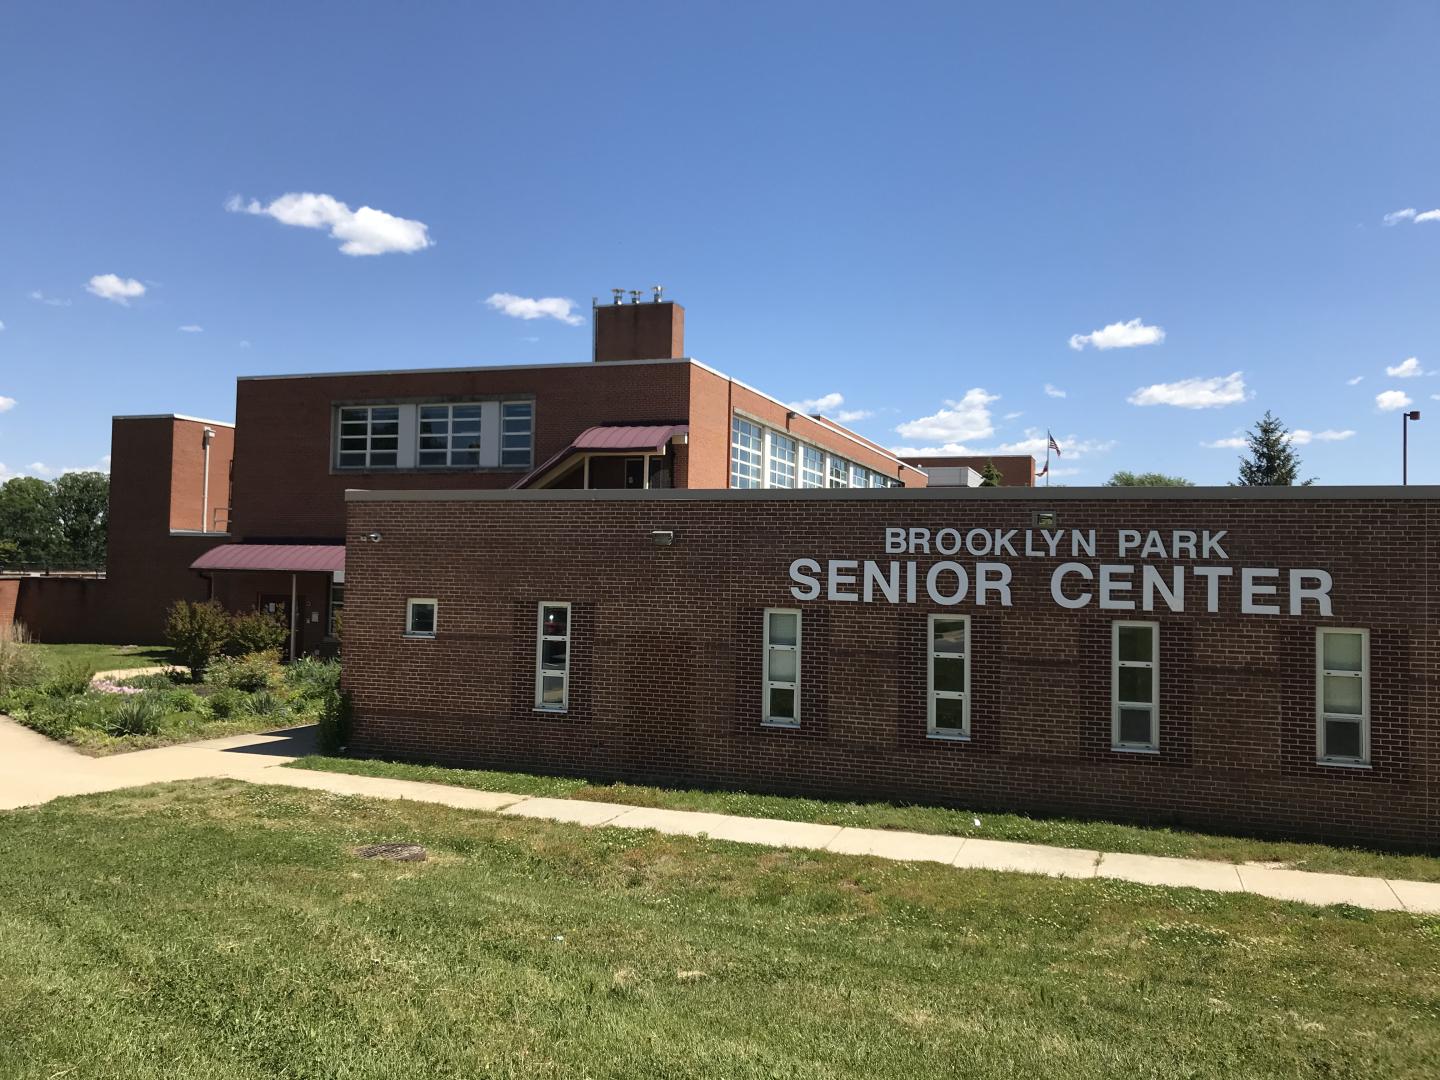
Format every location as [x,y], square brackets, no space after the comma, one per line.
[278,605]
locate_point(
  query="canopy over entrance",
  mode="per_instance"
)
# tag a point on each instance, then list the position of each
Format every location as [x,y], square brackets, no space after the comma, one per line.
[290,558]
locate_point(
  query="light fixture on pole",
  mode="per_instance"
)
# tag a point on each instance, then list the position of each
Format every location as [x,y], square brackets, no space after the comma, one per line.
[1405,418]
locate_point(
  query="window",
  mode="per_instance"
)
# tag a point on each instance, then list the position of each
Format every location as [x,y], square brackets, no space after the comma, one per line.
[552,658]
[812,467]
[517,432]
[337,605]
[782,461]
[369,437]
[746,454]
[449,435]
[839,472]
[420,618]
[782,667]
[877,480]
[1342,693]
[1135,721]
[859,476]
[949,683]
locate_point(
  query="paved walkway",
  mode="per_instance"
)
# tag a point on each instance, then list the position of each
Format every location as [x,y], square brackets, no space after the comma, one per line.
[34,769]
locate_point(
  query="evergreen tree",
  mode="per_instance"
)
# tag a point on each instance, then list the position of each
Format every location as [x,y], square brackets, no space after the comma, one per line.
[1272,461]
[990,476]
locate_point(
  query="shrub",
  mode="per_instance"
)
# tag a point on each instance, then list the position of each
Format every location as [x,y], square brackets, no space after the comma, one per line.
[334,723]
[156,680]
[226,703]
[197,633]
[69,678]
[267,705]
[252,672]
[256,631]
[20,665]
[138,715]
[311,677]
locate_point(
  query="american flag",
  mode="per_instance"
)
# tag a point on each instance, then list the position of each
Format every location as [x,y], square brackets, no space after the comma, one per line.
[1053,444]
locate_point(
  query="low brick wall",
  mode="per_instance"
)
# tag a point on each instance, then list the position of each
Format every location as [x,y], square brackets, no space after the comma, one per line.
[666,649]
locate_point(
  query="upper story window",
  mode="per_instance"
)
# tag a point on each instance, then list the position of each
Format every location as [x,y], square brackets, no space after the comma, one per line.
[859,476]
[839,472]
[517,433]
[812,466]
[782,461]
[369,437]
[747,452]
[449,435]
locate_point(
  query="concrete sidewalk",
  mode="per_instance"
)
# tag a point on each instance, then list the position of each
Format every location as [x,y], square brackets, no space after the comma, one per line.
[34,769]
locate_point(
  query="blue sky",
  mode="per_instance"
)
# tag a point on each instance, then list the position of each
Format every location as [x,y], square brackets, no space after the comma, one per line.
[913,206]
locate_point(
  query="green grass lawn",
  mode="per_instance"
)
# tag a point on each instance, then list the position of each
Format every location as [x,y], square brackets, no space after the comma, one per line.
[216,930]
[1061,832]
[107,657]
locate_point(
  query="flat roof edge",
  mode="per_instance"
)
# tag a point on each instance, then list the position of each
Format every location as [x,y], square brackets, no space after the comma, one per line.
[175,416]
[469,369]
[1413,493]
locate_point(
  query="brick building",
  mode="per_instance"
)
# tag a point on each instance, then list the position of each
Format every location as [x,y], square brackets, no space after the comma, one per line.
[1260,659]
[253,513]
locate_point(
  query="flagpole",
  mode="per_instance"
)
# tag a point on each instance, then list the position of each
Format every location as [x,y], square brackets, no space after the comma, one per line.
[1047,457]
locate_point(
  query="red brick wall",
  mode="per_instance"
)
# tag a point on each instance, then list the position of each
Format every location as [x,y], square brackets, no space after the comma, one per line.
[285,486]
[666,655]
[9,594]
[187,474]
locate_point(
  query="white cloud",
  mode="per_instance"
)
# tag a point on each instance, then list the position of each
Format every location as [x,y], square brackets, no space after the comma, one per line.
[1428,215]
[825,403]
[1034,443]
[1302,437]
[6,403]
[52,301]
[1356,381]
[849,416]
[1054,391]
[1397,216]
[2,326]
[968,418]
[1390,400]
[1012,416]
[1194,393]
[1234,442]
[1120,335]
[242,344]
[191,328]
[545,307]
[1407,369]
[114,287]
[366,231]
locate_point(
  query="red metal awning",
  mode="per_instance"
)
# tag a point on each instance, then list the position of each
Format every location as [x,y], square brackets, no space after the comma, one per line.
[291,558]
[605,439]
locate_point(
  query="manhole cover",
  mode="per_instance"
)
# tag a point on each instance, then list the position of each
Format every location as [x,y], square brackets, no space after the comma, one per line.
[395,852]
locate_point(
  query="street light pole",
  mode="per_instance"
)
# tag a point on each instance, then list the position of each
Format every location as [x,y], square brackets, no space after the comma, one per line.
[1405,419]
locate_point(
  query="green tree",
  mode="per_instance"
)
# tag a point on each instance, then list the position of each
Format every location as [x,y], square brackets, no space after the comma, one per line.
[1272,461]
[1123,478]
[27,519]
[990,476]
[82,513]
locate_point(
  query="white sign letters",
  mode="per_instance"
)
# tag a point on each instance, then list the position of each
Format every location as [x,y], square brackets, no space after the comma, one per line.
[1202,581]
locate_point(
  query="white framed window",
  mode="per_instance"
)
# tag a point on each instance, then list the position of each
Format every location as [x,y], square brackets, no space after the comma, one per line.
[782,461]
[812,466]
[949,676]
[420,617]
[782,667]
[859,476]
[337,606]
[369,437]
[1342,696]
[839,472]
[1135,686]
[517,433]
[552,657]
[449,435]
[747,454]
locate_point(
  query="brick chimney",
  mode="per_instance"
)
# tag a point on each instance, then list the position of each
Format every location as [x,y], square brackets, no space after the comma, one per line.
[654,330]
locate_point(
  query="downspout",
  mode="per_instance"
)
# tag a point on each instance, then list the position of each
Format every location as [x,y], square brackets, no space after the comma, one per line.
[205,437]
[294,626]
